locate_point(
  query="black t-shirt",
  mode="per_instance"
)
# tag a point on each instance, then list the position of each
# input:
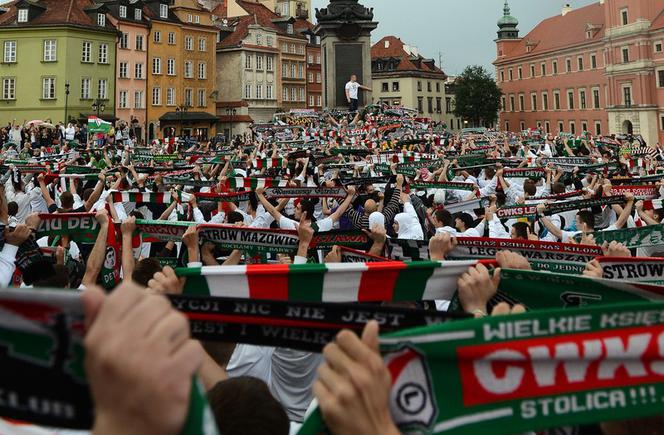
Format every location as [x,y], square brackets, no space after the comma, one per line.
[54,208]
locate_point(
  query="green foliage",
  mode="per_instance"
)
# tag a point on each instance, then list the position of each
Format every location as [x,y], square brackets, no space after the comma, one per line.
[477,96]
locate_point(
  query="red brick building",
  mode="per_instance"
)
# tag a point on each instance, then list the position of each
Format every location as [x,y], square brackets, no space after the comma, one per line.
[599,68]
[314,70]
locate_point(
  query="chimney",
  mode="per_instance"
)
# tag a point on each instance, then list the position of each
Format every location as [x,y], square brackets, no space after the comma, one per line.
[567,9]
[387,43]
[414,52]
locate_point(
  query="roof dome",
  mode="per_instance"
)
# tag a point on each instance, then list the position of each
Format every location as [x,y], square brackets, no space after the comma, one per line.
[507,19]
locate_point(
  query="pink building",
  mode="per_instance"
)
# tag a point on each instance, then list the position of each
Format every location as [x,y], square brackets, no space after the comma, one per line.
[131,67]
[599,68]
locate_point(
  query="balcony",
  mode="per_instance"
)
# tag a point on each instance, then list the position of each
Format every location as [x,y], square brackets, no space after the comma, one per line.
[638,26]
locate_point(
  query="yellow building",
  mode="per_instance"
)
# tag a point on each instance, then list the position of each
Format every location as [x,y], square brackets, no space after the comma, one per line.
[293,68]
[181,70]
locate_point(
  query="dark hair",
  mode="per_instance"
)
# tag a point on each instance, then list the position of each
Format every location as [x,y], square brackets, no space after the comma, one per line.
[659,214]
[587,217]
[145,270]
[87,193]
[529,187]
[557,188]
[234,405]
[67,200]
[12,208]
[308,207]
[58,279]
[253,200]
[234,217]
[521,230]
[445,217]
[465,218]
[137,214]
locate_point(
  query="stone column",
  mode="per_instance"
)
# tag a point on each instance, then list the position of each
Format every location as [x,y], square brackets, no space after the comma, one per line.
[345,30]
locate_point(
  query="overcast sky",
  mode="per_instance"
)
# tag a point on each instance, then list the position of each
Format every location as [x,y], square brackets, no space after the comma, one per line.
[462,31]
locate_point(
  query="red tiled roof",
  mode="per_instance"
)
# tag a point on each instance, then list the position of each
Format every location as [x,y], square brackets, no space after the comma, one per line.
[302,24]
[658,22]
[220,10]
[241,31]
[265,16]
[407,62]
[56,12]
[560,31]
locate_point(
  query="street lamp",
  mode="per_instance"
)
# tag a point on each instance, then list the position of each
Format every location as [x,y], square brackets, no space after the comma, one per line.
[66,101]
[465,124]
[231,113]
[99,106]
[181,110]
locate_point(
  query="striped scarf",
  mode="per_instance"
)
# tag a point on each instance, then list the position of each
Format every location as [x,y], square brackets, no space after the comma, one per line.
[254,183]
[142,197]
[329,282]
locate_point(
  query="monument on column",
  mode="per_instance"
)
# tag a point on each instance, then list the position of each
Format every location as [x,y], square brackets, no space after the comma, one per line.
[344,27]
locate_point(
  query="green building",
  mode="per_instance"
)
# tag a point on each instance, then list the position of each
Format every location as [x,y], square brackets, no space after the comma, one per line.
[49,48]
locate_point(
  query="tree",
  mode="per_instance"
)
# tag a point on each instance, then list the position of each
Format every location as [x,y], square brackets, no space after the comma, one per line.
[477,97]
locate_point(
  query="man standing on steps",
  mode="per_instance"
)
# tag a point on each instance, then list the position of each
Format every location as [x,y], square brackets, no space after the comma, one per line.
[352,90]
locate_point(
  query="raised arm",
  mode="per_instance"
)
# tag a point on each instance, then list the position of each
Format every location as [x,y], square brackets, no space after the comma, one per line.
[128,227]
[553,229]
[260,194]
[96,193]
[96,259]
[344,205]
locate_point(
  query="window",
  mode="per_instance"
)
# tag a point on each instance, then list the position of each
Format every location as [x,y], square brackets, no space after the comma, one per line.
[533,101]
[268,92]
[10,52]
[300,71]
[439,105]
[268,41]
[319,100]
[598,128]
[284,47]
[171,38]
[317,57]
[122,103]
[658,47]
[310,59]
[102,90]
[543,69]
[522,103]
[50,50]
[503,103]
[259,62]
[202,70]
[556,101]
[627,96]
[138,14]
[247,61]
[584,127]
[138,71]
[189,43]
[624,17]
[156,37]
[124,40]
[311,100]
[123,11]
[138,100]
[561,127]
[190,18]
[582,99]
[502,76]
[545,101]
[428,86]
[170,97]
[156,96]
[386,86]
[572,127]
[568,65]
[595,98]
[293,93]
[510,75]
[202,101]
[554,66]
[532,70]
[511,104]
[520,73]
[625,54]
[293,70]
[570,100]
[395,86]
[22,15]
[202,44]
[170,67]
[420,105]
[247,91]
[593,61]
[103,53]
[430,104]
[289,29]
[85,88]
[437,86]
[448,104]
[660,77]
[507,125]
[197,19]
[123,70]
[156,65]
[188,69]
[259,91]
[9,88]
[259,39]
[269,61]
[579,63]
[547,127]
[101,20]
[419,86]
[139,42]
[163,10]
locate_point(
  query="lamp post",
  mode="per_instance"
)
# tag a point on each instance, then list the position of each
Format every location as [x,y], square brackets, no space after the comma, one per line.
[66,101]
[99,106]
[181,110]
[465,124]
[230,113]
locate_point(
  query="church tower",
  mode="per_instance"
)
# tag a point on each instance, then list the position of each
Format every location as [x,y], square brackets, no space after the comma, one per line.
[507,25]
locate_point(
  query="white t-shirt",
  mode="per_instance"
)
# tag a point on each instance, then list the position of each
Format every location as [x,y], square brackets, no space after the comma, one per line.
[323,225]
[352,88]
